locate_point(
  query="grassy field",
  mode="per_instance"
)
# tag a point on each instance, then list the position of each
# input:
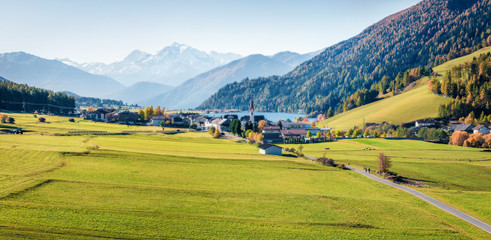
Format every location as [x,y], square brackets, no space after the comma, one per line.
[442,69]
[406,107]
[55,124]
[458,176]
[418,103]
[189,185]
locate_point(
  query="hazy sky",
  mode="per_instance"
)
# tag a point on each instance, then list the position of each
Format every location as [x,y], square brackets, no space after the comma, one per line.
[107,31]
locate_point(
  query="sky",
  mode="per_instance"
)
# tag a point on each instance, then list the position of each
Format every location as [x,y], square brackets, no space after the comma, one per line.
[108,30]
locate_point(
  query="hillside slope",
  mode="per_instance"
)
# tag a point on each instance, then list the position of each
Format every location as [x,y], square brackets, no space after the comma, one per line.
[412,105]
[24,68]
[195,90]
[429,33]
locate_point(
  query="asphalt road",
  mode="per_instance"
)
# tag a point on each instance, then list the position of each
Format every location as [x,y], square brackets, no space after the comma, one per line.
[472,220]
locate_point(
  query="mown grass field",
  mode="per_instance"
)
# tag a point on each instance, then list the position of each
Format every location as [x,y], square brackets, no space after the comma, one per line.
[56,124]
[417,103]
[458,176]
[189,185]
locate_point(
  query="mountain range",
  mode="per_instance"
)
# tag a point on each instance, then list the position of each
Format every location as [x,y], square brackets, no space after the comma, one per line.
[194,91]
[54,75]
[170,66]
[69,76]
[427,34]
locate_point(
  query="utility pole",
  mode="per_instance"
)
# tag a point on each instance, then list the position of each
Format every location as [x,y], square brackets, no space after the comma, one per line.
[364,125]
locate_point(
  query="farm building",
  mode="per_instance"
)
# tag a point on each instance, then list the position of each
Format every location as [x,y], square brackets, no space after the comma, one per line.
[270,149]
[481,129]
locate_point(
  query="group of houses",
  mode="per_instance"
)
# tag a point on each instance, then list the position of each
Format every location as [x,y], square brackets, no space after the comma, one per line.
[452,126]
[182,120]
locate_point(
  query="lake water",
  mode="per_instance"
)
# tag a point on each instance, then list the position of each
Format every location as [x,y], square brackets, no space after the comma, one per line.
[271,116]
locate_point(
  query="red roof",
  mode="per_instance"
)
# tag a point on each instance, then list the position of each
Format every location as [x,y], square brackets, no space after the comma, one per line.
[478,127]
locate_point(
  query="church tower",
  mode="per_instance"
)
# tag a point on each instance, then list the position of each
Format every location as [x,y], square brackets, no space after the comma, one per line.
[251,109]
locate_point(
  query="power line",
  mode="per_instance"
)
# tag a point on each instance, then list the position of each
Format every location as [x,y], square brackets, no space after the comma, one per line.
[38,104]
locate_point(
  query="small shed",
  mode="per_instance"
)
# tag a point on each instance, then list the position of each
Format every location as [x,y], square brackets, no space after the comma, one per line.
[270,149]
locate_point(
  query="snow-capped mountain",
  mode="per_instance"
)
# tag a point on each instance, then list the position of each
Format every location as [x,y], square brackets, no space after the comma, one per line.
[170,66]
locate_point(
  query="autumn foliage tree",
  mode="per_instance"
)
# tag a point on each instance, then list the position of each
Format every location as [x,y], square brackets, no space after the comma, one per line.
[458,138]
[141,113]
[216,134]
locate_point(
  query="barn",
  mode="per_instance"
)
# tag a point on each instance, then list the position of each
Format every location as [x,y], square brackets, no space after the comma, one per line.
[270,149]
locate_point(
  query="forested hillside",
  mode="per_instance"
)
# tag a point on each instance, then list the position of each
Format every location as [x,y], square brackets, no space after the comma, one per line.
[425,35]
[20,97]
[470,85]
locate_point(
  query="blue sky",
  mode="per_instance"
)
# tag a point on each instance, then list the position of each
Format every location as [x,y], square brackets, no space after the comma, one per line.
[107,31]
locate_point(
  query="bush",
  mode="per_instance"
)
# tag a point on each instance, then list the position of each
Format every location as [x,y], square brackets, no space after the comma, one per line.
[3,118]
[41,119]
[10,120]
[326,161]
[71,120]
[211,130]
[342,166]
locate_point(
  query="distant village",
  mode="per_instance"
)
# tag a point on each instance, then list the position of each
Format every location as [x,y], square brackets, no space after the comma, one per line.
[277,132]
[274,132]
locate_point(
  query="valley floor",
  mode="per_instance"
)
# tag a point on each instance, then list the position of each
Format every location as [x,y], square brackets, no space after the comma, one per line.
[191,186]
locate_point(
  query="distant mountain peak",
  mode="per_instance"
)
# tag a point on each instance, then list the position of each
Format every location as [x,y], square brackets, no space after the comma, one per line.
[171,65]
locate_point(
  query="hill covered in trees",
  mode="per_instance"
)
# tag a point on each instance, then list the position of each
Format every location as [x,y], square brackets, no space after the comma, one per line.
[21,97]
[470,86]
[425,35]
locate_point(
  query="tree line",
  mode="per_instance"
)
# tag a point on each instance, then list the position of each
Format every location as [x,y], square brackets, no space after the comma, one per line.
[21,97]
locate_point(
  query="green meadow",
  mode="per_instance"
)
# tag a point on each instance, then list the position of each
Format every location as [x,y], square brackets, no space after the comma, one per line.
[56,124]
[417,103]
[190,186]
[458,176]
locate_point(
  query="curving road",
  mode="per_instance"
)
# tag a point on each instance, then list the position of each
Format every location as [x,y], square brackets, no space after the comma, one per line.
[466,217]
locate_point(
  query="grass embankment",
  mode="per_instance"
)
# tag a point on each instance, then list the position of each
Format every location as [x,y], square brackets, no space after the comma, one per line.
[458,176]
[192,186]
[417,103]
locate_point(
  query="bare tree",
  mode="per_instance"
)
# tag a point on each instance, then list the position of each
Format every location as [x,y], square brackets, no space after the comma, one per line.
[384,163]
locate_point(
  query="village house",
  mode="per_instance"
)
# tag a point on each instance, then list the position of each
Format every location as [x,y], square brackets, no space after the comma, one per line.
[465,127]
[127,117]
[270,149]
[200,121]
[425,123]
[481,129]
[272,134]
[177,121]
[157,120]
[99,115]
[454,124]
[293,135]
[294,125]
